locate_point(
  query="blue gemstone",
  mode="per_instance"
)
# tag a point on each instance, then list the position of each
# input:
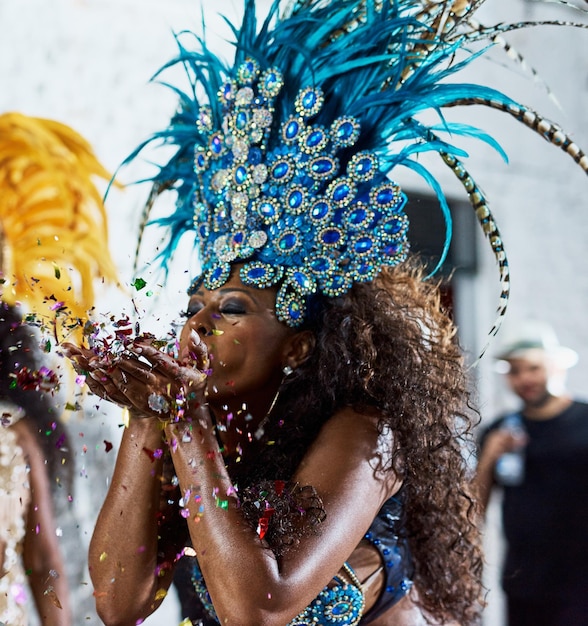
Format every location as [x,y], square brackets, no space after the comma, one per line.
[270,79]
[301,280]
[322,166]
[227,91]
[238,237]
[256,272]
[292,129]
[288,241]
[392,249]
[392,227]
[384,196]
[345,130]
[357,216]
[337,282]
[216,273]
[341,608]
[331,236]
[267,209]
[341,192]
[241,121]
[217,144]
[294,310]
[319,265]
[314,138]
[295,199]
[319,210]
[309,100]
[363,245]
[240,175]
[364,166]
[281,169]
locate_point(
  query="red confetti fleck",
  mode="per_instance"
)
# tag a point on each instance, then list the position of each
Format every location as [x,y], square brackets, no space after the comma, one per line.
[150,453]
[263,523]
[108,445]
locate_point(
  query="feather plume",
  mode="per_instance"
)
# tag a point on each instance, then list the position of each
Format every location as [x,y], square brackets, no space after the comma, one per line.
[53,221]
[385,62]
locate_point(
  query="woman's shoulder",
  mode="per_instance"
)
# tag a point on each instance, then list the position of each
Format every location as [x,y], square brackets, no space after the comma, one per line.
[359,426]
[354,442]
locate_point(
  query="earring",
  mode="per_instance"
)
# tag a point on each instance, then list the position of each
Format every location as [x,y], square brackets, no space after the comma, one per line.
[287,370]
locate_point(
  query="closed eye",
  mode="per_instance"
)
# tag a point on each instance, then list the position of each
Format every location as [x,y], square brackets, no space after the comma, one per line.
[233,308]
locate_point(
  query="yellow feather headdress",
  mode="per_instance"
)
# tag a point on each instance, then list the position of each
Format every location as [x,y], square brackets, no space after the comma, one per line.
[53,221]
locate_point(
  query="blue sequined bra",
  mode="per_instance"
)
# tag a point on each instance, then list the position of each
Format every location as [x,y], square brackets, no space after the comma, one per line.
[342,603]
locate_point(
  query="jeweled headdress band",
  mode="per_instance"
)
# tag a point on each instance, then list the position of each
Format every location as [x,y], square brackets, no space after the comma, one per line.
[282,166]
[288,213]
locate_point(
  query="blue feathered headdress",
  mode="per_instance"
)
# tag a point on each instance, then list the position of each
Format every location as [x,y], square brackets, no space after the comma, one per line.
[283,157]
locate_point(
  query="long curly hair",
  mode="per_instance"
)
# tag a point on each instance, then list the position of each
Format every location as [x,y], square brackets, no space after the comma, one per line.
[21,359]
[389,345]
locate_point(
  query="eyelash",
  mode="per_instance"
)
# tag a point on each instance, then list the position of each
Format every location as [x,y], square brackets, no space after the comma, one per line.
[188,313]
[232,309]
[227,309]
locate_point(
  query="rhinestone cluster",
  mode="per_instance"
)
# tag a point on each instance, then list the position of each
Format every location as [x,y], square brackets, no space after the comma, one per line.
[285,209]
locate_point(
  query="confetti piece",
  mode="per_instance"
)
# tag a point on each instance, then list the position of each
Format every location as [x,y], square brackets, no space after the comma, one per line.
[138,284]
[222,504]
[108,445]
[103,557]
[50,593]
[152,454]
[19,592]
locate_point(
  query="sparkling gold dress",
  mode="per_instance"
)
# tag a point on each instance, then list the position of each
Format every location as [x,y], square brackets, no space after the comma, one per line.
[14,500]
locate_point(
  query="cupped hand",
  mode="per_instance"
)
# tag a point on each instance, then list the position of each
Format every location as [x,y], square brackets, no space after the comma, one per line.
[144,379]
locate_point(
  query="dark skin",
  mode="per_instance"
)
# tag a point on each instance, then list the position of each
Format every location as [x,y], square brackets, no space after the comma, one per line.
[233,334]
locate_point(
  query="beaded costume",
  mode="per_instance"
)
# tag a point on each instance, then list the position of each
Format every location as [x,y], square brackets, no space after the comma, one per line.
[343,602]
[283,160]
[14,500]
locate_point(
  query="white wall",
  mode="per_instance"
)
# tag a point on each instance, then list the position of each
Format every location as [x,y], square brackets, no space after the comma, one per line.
[88,62]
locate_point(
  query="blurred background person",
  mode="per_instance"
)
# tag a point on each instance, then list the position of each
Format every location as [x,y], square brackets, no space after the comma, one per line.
[34,457]
[53,245]
[538,456]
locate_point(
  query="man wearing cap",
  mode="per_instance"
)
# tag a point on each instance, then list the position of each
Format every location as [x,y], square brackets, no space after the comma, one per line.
[539,457]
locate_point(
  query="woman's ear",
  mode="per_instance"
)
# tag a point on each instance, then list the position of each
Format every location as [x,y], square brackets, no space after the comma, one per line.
[298,348]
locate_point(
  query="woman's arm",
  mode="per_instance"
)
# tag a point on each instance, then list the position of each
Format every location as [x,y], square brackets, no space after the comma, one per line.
[130,569]
[42,557]
[130,560]
[247,584]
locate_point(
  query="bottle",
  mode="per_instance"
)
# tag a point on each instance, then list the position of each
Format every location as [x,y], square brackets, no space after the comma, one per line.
[509,470]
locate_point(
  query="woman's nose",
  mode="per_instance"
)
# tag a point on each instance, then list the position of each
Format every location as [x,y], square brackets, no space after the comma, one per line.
[201,324]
